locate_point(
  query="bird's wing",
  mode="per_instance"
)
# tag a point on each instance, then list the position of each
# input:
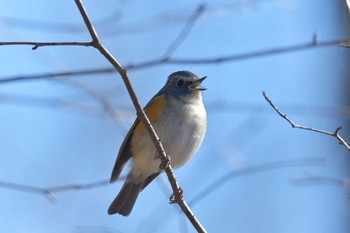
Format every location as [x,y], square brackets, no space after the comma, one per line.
[124,154]
[148,180]
[153,110]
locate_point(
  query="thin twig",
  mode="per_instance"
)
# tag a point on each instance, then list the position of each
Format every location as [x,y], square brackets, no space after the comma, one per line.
[316,161]
[257,54]
[165,162]
[55,75]
[48,192]
[185,31]
[321,180]
[168,60]
[47,26]
[108,107]
[42,44]
[294,125]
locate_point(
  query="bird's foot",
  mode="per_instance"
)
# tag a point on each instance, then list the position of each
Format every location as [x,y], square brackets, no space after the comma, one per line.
[176,196]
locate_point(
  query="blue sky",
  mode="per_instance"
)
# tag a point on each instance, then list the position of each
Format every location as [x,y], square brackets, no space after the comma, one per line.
[55,133]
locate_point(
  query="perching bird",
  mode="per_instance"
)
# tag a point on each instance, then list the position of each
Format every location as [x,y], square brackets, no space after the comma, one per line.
[179,118]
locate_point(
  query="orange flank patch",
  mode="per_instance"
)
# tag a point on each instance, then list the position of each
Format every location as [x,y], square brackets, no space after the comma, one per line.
[153,111]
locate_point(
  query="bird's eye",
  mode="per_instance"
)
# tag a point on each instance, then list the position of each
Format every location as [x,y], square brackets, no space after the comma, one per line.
[180,83]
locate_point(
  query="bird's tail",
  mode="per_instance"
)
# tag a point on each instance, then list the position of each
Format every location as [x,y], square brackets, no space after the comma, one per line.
[126,198]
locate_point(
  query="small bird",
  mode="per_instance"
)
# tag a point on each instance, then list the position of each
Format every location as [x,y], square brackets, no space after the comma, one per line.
[179,118]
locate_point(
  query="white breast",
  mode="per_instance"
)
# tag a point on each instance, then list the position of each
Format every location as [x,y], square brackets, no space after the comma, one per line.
[186,129]
[181,131]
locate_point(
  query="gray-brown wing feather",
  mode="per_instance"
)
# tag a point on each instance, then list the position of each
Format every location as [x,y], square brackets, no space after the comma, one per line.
[124,154]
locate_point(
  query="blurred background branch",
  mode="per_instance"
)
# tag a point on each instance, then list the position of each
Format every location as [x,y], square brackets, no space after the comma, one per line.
[310,180]
[209,189]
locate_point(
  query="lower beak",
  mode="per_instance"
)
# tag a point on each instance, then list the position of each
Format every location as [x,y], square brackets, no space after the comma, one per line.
[195,84]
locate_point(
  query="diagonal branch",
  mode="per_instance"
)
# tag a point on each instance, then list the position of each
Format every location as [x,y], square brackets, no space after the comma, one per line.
[297,126]
[108,107]
[185,31]
[165,162]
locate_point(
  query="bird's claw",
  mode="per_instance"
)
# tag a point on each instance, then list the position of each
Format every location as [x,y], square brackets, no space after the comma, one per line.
[176,196]
[165,162]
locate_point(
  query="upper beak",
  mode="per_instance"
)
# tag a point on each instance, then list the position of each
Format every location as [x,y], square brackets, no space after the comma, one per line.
[195,84]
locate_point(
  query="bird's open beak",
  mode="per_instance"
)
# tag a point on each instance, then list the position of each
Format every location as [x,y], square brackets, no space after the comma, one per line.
[195,84]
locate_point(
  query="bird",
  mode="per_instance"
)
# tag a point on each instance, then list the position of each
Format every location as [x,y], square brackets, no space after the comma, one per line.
[178,116]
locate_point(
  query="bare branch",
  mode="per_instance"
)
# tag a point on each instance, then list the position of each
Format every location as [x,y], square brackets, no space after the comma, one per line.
[294,125]
[108,107]
[56,26]
[185,31]
[269,52]
[54,75]
[168,60]
[48,192]
[309,179]
[316,161]
[165,162]
[42,44]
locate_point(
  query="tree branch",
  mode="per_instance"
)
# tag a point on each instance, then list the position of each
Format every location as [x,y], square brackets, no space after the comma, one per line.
[195,61]
[294,125]
[45,26]
[107,106]
[48,192]
[252,170]
[309,179]
[185,31]
[42,44]
[165,162]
